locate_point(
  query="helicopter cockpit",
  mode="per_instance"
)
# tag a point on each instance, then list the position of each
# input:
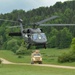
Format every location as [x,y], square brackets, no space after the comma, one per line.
[39,37]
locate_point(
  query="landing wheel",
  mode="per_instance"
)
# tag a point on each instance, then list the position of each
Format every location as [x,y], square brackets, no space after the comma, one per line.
[28,47]
[45,46]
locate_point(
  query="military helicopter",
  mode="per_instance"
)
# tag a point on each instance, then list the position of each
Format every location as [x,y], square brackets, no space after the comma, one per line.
[34,35]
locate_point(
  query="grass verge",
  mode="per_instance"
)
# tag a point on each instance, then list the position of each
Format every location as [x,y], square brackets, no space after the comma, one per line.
[33,70]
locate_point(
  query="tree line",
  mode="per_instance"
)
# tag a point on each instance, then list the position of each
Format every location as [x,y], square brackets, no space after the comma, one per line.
[58,37]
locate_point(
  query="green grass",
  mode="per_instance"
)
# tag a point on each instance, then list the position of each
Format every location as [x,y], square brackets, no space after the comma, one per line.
[33,70]
[50,56]
[9,55]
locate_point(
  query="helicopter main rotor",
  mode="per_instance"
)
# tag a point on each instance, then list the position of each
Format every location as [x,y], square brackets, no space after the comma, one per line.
[43,21]
[57,24]
[40,23]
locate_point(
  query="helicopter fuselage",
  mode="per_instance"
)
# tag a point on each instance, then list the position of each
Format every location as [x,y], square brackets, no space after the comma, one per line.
[34,36]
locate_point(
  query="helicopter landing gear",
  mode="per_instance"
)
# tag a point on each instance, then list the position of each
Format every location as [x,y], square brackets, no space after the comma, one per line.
[28,46]
[45,46]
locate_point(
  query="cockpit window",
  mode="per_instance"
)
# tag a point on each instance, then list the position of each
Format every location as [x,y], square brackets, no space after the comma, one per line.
[39,36]
[43,35]
[35,36]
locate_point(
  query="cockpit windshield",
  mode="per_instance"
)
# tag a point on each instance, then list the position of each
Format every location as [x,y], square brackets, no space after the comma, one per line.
[35,36]
[39,36]
[43,35]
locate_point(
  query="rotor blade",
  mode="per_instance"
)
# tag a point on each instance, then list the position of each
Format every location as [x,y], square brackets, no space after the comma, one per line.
[57,24]
[45,20]
[13,26]
[8,20]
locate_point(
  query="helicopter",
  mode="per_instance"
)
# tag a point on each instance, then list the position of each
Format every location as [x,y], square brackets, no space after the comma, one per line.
[34,35]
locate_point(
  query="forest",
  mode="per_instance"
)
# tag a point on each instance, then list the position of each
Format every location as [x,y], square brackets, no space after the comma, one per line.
[58,37]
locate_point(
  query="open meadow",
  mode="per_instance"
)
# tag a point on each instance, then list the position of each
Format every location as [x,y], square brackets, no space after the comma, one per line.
[50,56]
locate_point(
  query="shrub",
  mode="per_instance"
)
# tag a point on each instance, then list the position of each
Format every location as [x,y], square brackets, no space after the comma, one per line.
[20,56]
[63,58]
[12,45]
[72,57]
[23,51]
[67,57]
[73,45]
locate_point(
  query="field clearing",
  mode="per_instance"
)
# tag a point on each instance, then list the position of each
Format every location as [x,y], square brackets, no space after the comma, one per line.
[33,70]
[50,56]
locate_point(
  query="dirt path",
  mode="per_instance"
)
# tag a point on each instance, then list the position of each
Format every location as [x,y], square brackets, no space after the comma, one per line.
[4,61]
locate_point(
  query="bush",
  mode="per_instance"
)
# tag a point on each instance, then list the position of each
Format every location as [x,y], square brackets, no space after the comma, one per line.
[72,57]
[12,45]
[23,51]
[63,58]
[73,45]
[67,57]
[20,56]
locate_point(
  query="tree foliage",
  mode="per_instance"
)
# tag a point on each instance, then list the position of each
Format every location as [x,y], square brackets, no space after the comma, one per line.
[64,37]
[59,37]
[73,45]
[52,38]
[12,45]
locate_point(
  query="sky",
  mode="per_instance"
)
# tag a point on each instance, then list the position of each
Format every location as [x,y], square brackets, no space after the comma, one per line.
[7,6]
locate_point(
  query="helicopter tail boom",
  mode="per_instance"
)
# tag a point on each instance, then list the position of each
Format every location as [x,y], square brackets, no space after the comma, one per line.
[15,34]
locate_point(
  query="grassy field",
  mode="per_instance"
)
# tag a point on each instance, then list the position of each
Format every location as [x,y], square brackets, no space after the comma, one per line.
[9,55]
[33,70]
[50,56]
